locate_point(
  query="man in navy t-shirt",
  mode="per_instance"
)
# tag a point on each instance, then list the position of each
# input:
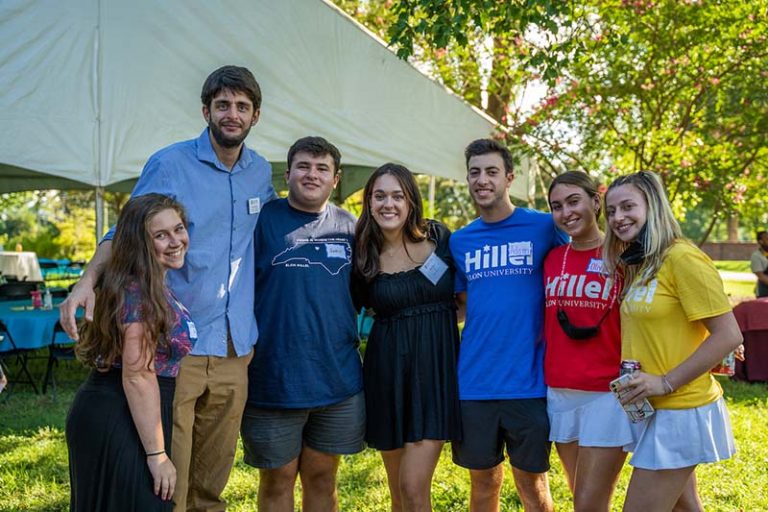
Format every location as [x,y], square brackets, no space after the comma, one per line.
[305,403]
[500,289]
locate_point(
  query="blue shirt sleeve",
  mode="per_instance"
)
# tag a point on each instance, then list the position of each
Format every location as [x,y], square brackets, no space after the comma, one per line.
[460,280]
[152,180]
[561,238]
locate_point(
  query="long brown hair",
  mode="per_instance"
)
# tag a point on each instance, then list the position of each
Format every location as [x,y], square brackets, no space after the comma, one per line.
[368,237]
[133,264]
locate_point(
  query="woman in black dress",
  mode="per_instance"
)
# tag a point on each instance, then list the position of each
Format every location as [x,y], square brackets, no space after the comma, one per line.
[403,272]
[119,426]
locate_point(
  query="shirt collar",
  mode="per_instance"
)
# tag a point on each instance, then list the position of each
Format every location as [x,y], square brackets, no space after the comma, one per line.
[205,153]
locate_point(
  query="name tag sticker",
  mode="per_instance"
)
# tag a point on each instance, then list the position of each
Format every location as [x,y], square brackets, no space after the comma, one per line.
[434,268]
[595,266]
[254,205]
[520,248]
[335,251]
[192,330]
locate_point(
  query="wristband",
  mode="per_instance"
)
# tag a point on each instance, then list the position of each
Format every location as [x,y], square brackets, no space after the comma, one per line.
[153,454]
[667,385]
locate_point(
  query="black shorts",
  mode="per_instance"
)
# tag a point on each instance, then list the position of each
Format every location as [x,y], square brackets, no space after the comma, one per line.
[274,437]
[488,425]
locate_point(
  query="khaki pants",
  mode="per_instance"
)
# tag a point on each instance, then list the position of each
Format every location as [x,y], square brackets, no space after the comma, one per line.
[207,409]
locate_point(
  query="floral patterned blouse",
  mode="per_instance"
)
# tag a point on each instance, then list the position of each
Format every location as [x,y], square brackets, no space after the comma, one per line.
[182,336]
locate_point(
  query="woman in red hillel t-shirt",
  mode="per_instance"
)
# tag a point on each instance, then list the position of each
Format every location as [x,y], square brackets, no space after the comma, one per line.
[581,327]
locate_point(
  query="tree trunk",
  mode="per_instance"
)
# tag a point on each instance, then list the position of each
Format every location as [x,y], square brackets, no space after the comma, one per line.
[733,227]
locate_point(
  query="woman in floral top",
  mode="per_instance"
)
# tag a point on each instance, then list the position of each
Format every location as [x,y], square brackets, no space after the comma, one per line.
[119,427]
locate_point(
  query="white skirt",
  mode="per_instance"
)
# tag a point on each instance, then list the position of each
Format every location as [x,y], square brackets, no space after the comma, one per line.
[592,418]
[679,438]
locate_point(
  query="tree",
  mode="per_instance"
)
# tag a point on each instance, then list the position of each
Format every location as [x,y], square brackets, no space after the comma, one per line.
[674,87]
[677,87]
[53,223]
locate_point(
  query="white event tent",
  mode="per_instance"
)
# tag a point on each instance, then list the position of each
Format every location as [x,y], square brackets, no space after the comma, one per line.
[90,88]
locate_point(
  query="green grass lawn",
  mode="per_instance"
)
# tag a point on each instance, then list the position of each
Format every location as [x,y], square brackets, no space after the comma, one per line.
[739,290]
[733,265]
[34,475]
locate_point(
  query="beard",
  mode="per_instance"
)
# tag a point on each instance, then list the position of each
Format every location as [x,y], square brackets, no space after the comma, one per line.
[225,141]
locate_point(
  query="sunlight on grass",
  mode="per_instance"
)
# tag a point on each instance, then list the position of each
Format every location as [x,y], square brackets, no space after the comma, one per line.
[34,475]
[733,265]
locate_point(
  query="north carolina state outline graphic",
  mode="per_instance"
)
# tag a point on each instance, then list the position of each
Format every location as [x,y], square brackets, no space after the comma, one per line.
[315,252]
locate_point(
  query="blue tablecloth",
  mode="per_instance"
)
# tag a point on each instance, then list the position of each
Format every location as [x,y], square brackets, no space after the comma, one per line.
[30,328]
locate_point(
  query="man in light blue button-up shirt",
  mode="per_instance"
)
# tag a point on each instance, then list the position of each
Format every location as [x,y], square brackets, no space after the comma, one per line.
[222,184]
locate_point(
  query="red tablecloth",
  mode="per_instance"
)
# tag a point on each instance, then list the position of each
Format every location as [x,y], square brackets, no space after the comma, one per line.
[752,316]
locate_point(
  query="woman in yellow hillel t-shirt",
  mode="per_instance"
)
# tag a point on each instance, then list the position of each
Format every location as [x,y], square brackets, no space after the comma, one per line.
[677,322]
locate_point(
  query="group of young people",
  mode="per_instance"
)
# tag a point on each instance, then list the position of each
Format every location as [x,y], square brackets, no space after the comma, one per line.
[215,309]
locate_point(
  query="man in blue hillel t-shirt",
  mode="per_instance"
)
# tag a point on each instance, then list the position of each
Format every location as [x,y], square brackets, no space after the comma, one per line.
[305,403]
[223,186]
[499,284]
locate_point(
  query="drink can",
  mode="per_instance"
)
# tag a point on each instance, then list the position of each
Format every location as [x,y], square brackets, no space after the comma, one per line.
[37,300]
[727,366]
[629,366]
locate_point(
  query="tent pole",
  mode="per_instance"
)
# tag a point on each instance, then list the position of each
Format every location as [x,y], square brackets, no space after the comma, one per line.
[99,213]
[432,196]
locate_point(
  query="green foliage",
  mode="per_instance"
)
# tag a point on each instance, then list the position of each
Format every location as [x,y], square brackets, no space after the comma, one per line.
[673,87]
[27,220]
[677,87]
[34,474]
[76,239]
[54,223]
[456,23]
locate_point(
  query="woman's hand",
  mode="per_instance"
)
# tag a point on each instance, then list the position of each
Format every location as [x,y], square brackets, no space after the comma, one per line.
[641,385]
[164,475]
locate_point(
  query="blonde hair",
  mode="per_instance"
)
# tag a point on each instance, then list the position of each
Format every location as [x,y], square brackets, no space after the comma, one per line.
[661,230]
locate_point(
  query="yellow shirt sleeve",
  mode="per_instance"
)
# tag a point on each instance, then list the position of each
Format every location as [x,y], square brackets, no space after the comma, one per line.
[698,284]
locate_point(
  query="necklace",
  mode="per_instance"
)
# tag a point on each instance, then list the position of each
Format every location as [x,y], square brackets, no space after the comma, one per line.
[561,284]
[588,243]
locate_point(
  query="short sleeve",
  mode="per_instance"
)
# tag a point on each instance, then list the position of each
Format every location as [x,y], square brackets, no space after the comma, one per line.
[441,235]
[756,263]
[561,238]
[698,284]
[460,280]
[359,291]
[132,305]
[152,180]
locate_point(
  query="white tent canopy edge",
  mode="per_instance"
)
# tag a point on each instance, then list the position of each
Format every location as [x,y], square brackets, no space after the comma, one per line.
[90,88]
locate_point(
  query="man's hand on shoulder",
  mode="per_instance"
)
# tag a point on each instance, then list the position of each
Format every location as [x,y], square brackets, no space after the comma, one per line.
[82,295]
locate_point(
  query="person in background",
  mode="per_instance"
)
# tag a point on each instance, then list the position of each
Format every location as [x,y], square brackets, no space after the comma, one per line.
[590,429]
[404,271]
[499,281]
[759,264]
[223,184]
[677,322]
[119,425]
